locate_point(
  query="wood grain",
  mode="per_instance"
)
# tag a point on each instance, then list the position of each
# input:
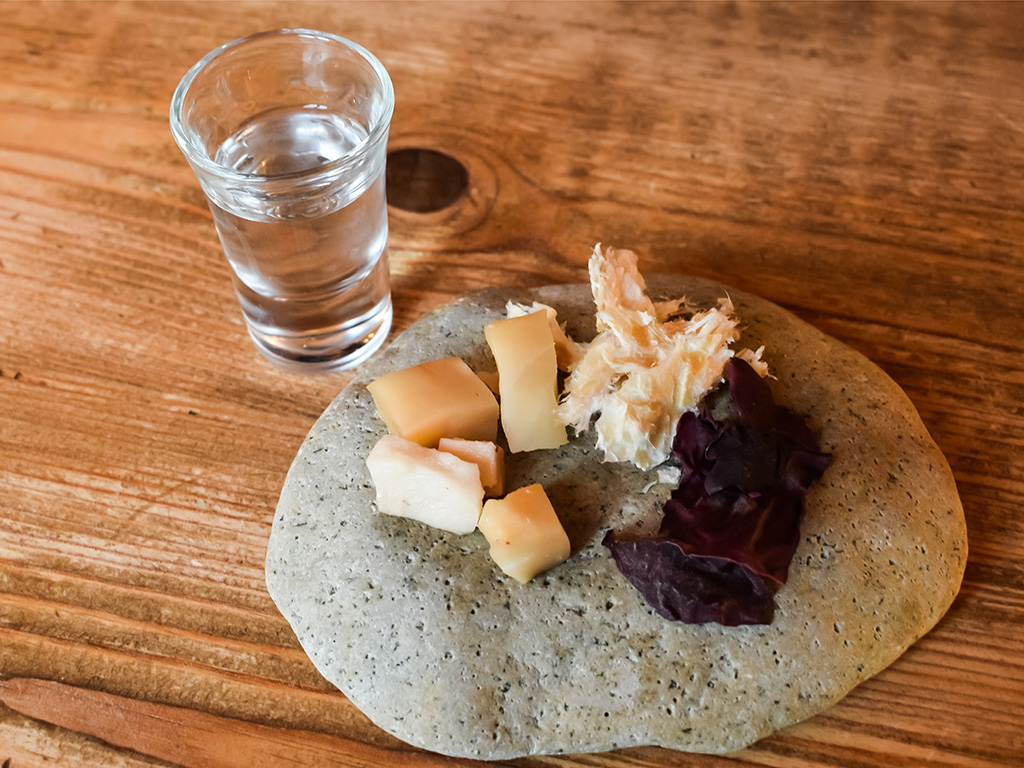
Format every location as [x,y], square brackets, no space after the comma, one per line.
[860,164]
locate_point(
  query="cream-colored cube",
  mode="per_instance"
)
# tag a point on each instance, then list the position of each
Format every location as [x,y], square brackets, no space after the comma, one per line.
[567,351]
[439,398]
[425,484]
[527,381]
[488,457]
[525,534]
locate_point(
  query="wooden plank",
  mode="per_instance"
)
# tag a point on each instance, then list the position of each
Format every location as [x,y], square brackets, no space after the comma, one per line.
[190,738]
[860,164]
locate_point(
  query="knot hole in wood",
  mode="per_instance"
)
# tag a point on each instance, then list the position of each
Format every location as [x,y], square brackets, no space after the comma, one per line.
[424,180]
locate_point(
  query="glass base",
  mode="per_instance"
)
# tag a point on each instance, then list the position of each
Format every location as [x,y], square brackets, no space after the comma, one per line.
[330,352]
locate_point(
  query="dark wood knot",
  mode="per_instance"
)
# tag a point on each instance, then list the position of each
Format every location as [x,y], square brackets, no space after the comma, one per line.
[424,180]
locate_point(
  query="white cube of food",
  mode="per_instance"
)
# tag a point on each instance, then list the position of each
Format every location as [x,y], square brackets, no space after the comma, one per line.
[527,381]
[525,534]
[439,398]
[489,458]
[425,484]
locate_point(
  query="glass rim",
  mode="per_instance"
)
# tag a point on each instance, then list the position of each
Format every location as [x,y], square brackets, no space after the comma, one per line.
[198,156]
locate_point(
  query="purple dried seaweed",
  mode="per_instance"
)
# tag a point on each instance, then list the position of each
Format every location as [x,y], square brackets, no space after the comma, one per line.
[731,528]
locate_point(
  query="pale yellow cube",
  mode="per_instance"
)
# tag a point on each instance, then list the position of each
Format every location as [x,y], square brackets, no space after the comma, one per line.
[527,381]
[440,398]
[525,534]
[425,484]
[488,457]
[567,351]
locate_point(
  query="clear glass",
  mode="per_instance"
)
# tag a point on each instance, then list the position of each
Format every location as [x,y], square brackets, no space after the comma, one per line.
[286,132]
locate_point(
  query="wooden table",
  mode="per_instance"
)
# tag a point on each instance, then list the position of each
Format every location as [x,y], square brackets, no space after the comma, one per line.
[860,164]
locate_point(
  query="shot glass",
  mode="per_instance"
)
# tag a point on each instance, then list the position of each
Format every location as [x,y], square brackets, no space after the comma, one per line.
[286,132]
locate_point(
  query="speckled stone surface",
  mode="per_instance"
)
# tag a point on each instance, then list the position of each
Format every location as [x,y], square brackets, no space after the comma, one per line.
[428,638]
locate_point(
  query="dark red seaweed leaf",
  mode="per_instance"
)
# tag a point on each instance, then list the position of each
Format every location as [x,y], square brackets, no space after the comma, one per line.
[692,589]
[731,528]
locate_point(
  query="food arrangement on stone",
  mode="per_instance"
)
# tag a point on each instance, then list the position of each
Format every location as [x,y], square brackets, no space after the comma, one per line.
[675,541]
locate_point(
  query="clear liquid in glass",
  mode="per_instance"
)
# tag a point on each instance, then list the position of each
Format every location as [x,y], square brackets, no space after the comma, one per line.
[312,279]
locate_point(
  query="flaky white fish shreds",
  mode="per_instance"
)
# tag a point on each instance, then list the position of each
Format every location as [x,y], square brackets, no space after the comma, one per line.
[645,367]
